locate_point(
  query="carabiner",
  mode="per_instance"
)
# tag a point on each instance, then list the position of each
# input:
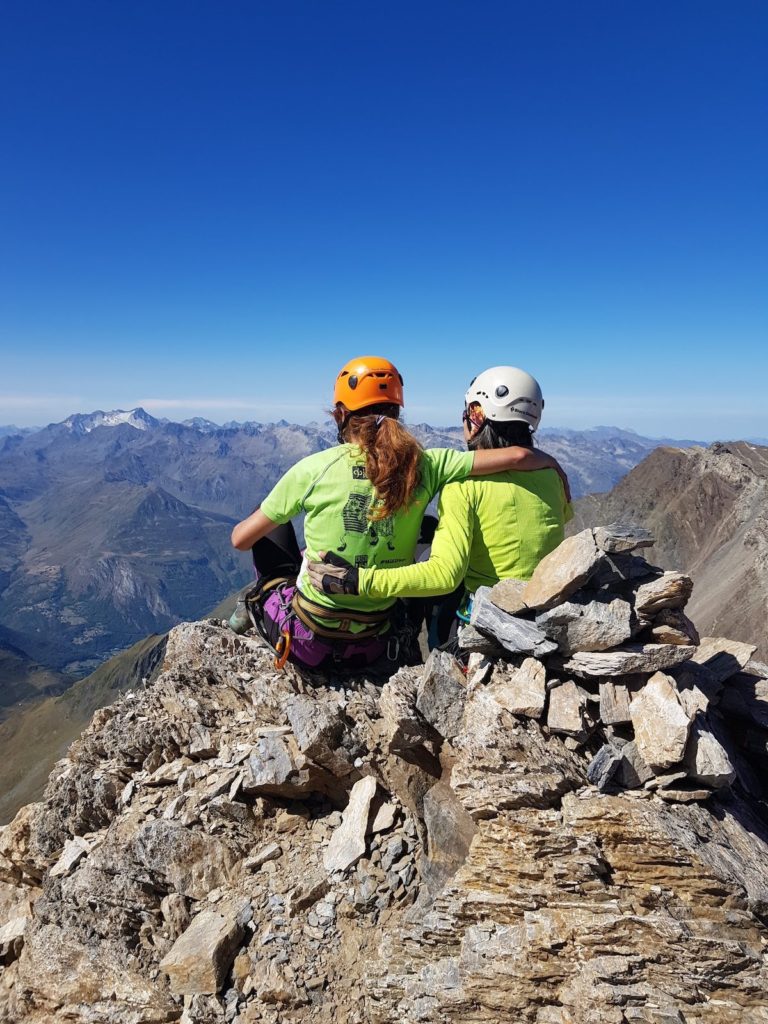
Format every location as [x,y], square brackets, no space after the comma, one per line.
[282,649]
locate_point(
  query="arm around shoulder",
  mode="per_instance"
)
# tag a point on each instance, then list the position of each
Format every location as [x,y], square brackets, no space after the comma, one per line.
[497,460]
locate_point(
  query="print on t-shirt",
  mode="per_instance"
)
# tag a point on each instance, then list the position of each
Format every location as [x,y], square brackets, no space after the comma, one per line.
[355,520]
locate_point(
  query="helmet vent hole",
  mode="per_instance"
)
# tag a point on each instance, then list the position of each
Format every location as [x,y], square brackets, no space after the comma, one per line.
[353,381]
[502,391]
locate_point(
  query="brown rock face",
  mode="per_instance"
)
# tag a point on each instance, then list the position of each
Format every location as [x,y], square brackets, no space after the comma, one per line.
[706,510]
[232,844]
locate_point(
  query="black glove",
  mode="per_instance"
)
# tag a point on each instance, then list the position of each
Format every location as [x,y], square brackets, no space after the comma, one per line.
[334,575]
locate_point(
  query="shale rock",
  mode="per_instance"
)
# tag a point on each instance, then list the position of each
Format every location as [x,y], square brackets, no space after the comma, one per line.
[200,958]
[621,537]
[626,660]
[515,635]
[670,590]
[441,693]
[563,571]
[520,689]
[587,625]
[508,595]
[661,725]
[428,850]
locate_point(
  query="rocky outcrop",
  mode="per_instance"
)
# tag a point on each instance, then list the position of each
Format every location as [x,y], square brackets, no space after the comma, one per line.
[520,843]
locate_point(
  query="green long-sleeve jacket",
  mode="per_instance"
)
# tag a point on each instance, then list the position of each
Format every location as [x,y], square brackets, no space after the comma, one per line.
[491,528]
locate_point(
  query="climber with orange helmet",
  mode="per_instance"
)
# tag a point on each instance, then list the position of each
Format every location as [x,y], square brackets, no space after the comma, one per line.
[364,501]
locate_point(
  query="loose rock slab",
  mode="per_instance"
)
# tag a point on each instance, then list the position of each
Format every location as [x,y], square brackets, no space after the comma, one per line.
[670,590]
[568,711]
[584,625]
[627,660]
[560,573]
[721,657]
[515,635]
[73,852]
[706,759]
[199,959]
[614,703]
[347,843]
[620,537]
[661,725]
[520,690]
[442,693]
[508,595]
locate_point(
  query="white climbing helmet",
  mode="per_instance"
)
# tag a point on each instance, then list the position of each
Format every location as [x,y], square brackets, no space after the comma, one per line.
[507,394]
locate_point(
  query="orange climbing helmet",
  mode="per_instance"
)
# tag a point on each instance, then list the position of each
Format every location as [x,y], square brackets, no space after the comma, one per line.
[366,381]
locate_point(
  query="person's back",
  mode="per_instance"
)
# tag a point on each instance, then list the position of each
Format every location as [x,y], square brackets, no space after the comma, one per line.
[517,519]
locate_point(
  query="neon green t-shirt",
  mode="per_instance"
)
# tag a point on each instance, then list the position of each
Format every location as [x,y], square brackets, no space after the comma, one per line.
[491,528]
[333,490]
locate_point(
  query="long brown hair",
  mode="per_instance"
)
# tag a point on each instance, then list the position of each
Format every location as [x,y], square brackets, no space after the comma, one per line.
[392,456]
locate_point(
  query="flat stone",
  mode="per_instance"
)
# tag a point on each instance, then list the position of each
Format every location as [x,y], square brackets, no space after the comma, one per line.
[403,727]
[73,852]
[442,693]
[670,590]
[604,765]
[471,639]
[721,657]
[683,794]
[278,768]
[661,725]
[618,571]
[384,818]
[560,573]
[517,636]
[347,844]
[626,660]
[665,780]
[317,725]
[614,703]
[672,626]
[706,759]
[175,911]
[621,537]
[200,958]
[632,771]
[12,937]
[272,851]
[520,690]
[587,625]
[697,688]
[567,712]
[508,595]
[201,742]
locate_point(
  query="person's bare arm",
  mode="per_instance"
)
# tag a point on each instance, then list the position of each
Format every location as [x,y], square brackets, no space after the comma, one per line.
[497,460]
[247,532]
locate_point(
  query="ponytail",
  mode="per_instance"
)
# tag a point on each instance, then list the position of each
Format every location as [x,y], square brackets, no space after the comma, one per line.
[392,457]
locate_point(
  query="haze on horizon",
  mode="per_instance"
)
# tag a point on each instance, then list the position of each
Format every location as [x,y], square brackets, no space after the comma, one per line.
[207,211]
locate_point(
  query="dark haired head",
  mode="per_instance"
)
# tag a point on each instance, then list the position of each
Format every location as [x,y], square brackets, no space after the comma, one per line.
[504,434]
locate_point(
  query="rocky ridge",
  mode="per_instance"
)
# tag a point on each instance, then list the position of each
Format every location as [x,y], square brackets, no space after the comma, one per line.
[572,832]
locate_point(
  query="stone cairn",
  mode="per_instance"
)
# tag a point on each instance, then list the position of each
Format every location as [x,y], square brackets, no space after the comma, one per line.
[571,832]
[602,653]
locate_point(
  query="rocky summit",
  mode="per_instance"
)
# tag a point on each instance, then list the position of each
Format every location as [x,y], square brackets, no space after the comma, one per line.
[574,831]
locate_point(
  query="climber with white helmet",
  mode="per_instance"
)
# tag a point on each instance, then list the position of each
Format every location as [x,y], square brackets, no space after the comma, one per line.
[364,501]
[497,527]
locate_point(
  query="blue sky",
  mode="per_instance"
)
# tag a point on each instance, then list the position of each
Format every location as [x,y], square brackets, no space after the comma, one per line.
[206,208]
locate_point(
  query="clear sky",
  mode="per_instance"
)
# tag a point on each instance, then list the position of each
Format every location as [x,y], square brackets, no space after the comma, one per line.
[207,207]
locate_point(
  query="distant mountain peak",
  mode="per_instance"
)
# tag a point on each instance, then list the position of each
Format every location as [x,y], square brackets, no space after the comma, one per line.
[84,423]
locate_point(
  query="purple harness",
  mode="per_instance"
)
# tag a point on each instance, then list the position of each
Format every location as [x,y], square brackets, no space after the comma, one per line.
[306,647]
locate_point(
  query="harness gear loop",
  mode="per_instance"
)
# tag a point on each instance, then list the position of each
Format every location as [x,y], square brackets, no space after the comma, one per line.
[282,649]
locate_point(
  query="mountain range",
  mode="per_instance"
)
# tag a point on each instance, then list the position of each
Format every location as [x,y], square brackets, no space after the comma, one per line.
[114,525]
